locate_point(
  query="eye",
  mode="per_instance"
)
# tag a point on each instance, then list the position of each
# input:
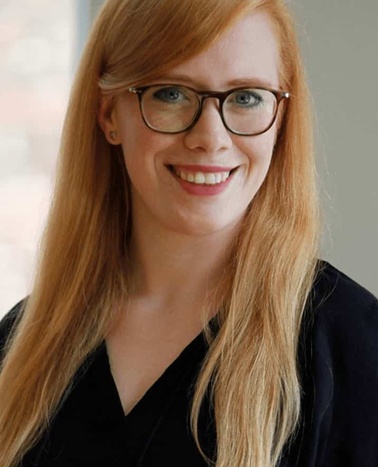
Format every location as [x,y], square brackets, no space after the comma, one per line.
[170,94]
[246,98]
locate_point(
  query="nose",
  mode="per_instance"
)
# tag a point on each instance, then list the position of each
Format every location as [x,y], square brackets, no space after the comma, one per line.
[209,133]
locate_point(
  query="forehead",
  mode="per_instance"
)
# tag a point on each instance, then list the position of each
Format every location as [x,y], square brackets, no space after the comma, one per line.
[248,51]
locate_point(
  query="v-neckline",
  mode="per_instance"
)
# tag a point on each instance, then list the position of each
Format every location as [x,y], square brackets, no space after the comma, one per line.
[164,406]
[166,382]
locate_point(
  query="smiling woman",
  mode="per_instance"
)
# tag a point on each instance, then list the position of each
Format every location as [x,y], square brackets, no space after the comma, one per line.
[181,315]
[159,163]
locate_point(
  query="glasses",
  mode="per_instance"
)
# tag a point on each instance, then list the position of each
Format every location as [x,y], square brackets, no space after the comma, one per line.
[172,108]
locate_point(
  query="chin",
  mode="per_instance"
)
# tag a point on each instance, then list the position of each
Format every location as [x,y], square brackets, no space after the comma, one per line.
[207,226]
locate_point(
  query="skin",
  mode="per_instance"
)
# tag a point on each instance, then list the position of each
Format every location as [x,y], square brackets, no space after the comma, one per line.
[171,226]
[247,52]
[180,241]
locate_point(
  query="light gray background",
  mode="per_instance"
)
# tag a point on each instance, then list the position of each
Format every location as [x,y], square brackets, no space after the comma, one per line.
[339,39]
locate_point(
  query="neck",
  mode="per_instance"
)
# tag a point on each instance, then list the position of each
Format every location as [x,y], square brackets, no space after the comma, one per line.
[174,271]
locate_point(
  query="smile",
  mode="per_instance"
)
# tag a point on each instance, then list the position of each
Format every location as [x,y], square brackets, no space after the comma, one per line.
[198,177]
[201,178]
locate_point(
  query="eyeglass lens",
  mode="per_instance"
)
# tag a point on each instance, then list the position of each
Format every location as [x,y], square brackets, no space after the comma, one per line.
[172,108]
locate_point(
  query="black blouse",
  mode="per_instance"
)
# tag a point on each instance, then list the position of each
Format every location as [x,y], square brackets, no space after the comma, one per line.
[338,361]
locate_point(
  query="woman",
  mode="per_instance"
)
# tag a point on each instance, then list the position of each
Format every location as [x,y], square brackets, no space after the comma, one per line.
[180,315]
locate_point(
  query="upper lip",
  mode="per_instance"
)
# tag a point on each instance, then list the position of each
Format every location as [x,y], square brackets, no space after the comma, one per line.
[202,168]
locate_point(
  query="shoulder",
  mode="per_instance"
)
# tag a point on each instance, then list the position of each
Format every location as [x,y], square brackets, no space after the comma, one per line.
[8,323]
[341,308]
[340,332]
[340,325]
[338,355]
[332,287]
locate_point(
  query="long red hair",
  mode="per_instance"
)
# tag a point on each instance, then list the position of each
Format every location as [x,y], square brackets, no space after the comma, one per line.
[82,275]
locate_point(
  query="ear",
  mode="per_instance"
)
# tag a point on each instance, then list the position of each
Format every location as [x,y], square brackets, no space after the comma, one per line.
[107,121]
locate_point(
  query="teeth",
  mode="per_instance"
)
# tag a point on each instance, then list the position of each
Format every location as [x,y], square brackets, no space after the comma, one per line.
[202,178]
[199,178]
[210,179]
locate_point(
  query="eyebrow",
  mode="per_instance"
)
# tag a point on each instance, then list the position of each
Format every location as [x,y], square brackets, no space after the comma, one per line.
[247,81]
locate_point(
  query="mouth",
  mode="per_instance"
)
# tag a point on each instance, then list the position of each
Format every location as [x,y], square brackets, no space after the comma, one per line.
[206,176]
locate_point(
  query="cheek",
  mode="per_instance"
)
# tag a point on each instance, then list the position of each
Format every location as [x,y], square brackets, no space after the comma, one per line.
[259,150]
[133,134]
[137,143]
[144,155]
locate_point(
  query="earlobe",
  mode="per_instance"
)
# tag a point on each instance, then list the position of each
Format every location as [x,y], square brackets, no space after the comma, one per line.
[113,135]
[107,121]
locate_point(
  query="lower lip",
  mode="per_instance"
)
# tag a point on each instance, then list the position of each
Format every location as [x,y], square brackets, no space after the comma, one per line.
[203,190]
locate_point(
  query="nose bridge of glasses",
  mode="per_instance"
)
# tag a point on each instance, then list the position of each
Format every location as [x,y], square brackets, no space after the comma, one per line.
[218,98]
[209,131]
